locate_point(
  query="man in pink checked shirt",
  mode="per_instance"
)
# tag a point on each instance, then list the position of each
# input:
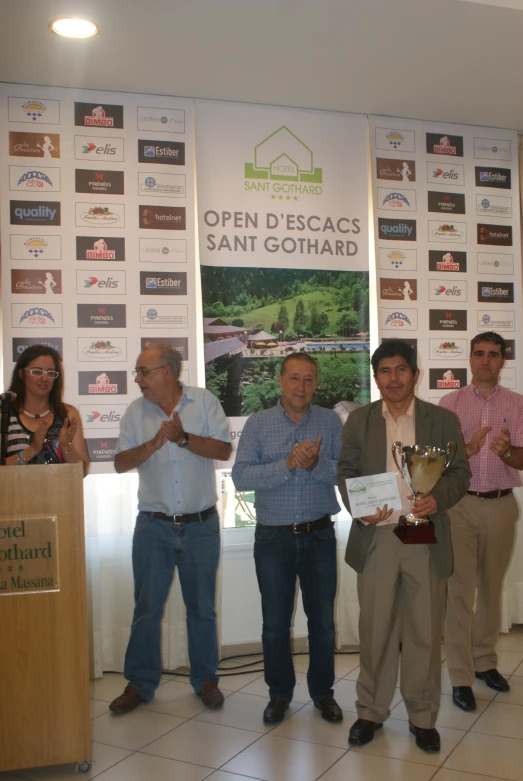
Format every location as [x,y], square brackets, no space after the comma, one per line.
[483,523]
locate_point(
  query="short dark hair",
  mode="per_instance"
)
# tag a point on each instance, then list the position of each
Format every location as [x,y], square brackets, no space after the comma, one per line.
[390,349]
[298,357]
[492,338]
[18,384]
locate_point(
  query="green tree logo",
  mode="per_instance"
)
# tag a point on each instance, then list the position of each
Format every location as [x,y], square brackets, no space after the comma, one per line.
[283,157]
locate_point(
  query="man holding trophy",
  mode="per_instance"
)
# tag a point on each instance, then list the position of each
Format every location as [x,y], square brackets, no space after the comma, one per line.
[483,523]
[401,559]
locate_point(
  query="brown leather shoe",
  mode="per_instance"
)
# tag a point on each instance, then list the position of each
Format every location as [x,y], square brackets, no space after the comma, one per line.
[127,701]
[211,695]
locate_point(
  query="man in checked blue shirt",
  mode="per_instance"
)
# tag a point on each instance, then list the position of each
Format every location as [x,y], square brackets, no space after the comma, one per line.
[289,456]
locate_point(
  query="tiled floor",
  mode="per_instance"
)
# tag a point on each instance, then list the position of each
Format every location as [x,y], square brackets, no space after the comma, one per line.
[174,738]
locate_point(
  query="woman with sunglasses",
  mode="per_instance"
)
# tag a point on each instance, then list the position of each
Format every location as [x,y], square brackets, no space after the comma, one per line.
[42,429]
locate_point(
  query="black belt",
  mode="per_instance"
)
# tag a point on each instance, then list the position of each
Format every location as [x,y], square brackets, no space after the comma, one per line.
[304,528]
[188,517]
[491,494]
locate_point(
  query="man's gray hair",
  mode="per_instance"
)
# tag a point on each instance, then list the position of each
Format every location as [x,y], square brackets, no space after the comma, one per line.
[170,357]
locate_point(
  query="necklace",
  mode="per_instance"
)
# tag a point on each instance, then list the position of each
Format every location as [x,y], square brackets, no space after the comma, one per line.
[30,414]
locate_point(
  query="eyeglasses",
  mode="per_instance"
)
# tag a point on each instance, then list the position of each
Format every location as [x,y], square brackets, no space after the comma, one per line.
[145,372]
[40,373]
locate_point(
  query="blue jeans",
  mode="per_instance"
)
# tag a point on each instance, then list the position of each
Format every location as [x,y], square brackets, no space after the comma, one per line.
[158,547]
[280,557]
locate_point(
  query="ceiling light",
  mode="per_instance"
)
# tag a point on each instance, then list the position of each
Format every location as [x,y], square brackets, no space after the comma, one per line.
[74,28]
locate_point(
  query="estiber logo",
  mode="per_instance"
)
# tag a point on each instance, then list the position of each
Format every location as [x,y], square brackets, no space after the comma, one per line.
[283,157]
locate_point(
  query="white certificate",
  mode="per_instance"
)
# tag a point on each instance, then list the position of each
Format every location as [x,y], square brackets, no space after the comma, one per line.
[366,494]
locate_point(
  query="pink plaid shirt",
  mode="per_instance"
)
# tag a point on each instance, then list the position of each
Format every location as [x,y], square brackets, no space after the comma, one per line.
[503,409]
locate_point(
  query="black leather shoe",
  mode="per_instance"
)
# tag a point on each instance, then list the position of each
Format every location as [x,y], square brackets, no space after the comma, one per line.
[362,732]
[426,739]
[494,680]
[275,711]
[330,710]
[463,697]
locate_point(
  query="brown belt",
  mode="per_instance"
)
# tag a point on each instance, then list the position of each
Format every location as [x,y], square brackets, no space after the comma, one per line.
[491,494]
[187,518]
[304,528]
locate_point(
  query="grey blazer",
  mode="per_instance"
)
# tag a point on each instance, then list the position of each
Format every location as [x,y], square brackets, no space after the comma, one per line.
[363,452]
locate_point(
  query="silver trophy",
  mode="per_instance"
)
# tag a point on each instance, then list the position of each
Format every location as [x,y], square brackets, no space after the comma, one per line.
[421,468]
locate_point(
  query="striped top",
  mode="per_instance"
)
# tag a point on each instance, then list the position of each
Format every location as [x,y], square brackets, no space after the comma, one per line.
[19,438]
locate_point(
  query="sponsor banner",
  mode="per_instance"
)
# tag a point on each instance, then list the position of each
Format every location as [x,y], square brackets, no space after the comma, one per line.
[162,152]
[102,382]
[510,349]
[34,111]
[99,182]
[106,248]
[446,173]
[489,320]
[444,289]
[393,289]
[396,170]
[396,230]
[97,148]
[399,320]
[439,260]
[495,234]
[34,180]
[38,316]
[398,259]
[440,144]
[448,349]
[447,231]
[495,263]
[102,416]
[166,120]
[93,283]
[109,349]
[26,281]
[163,283]
[493,206]
[494,177]
[163,251]
[35,247]
[496,293]
[35,212]
[97,115]
[396,200]
[492,149]
[20,345]
[100,215]
[101,449]
[34,145]
[162,185]
[395,140]
[447,380]
[101,315]
[446,203]
[179,343]
[163,316]
[171,218]
[507,377]
[447,319]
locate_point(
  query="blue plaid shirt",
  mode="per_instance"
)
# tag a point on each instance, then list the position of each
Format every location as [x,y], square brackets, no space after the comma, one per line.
[284,496]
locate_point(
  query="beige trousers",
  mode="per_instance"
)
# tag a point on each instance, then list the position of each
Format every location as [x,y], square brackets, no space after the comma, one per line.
[482,533]
[401,599]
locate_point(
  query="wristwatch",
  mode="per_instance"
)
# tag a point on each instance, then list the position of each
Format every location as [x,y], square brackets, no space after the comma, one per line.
[507,453]
[185,441]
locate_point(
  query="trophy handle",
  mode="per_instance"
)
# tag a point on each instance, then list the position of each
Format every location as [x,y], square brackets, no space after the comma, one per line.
[397,447]
[451,452]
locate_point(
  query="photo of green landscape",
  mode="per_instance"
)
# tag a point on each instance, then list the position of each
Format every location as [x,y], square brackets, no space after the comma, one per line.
[253,317]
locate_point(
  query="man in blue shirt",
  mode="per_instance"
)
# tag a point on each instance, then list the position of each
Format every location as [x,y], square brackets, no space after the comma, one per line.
[289,455]
[171,436]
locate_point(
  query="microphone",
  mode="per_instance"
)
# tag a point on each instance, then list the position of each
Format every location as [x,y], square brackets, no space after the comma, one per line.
[7,396]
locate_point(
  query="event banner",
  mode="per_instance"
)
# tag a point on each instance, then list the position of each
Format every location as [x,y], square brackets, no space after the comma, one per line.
[283,239]
[98,240]
[448,259]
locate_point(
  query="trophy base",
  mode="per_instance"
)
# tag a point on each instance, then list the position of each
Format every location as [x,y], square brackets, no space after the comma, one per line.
[415,534]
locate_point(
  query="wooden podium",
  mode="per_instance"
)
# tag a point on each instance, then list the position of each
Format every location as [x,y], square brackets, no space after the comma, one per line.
[44,702]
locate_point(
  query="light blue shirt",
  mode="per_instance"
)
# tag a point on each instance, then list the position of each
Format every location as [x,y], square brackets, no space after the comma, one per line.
[284,496]
[173,480]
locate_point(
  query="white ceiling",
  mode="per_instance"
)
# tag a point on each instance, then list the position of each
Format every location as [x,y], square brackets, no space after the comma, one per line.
[427,59]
